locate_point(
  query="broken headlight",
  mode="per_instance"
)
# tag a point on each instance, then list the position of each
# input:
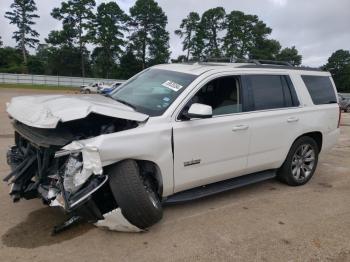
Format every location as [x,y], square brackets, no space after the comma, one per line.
[81,164]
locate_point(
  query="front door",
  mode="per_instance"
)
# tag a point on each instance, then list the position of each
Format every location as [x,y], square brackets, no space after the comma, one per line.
[213,149]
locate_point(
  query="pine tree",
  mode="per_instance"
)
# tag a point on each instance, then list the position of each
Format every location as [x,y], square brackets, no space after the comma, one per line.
[212,23]
[22,15]
[244,32]
[76,16]
[188,29]
[149,38]
[108,28]
[290,55]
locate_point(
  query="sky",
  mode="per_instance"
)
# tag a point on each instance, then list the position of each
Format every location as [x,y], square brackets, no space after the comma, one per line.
[316,27]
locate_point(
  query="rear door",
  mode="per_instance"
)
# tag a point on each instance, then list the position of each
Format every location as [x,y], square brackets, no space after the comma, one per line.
[275,113]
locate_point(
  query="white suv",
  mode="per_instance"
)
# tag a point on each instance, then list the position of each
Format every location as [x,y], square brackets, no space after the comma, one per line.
[166,133]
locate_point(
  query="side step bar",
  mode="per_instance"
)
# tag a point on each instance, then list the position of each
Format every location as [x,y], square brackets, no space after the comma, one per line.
[218,187]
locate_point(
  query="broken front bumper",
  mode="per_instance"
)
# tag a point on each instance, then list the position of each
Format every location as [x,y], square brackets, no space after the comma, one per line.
[71,178]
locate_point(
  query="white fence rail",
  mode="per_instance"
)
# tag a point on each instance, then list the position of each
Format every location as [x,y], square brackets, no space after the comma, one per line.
[51,80]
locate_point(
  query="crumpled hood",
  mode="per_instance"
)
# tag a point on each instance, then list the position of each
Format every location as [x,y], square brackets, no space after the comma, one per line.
[45,111]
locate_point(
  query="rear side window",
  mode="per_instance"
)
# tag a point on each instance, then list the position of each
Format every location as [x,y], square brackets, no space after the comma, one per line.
[320,88]
[271,91]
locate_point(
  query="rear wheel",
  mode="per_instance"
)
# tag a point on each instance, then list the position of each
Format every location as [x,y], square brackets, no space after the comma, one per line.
[347,110]
[135,194]
[300,163]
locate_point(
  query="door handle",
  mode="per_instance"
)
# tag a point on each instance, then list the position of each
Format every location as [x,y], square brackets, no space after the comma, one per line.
[292,119]
[240,127]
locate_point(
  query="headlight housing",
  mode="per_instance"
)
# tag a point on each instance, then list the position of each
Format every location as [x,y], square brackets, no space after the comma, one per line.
[83,162]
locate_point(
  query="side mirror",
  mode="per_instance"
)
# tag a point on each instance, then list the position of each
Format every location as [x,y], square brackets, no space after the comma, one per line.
[200,111]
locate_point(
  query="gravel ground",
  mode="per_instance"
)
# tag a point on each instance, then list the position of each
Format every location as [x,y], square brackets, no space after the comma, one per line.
[263,222]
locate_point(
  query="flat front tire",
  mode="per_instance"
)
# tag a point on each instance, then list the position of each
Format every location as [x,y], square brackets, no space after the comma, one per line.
[134,194]
[301,162]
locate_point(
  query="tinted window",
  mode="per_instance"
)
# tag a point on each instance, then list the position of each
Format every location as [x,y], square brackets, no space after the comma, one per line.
[271,91]
[320,89]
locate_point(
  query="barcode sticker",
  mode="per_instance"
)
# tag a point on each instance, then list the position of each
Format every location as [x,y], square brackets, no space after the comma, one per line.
[172,85]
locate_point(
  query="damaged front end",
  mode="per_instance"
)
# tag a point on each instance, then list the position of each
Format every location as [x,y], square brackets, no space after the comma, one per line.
[53,165]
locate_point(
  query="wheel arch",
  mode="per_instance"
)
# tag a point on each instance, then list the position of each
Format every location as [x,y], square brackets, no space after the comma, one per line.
[152,169]
[147,167]
[315,135]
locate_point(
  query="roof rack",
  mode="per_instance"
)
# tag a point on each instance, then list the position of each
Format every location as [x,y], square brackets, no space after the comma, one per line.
[270,62]
[257,63]
[252,61]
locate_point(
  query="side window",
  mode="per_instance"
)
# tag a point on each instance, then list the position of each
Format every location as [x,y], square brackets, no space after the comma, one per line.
[271,91]
[320,88]
[222,94]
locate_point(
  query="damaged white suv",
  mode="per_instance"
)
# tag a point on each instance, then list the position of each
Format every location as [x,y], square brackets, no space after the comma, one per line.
[172,133]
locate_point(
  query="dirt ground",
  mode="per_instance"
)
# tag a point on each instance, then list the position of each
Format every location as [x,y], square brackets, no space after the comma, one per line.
[263,222]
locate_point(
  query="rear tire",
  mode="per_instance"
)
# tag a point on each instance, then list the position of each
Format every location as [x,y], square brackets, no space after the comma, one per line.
[301,162]
[135,195]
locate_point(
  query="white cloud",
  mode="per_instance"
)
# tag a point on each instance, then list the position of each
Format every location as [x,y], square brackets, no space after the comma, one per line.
[279,2]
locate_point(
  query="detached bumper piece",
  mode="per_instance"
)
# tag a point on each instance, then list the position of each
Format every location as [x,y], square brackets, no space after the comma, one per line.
[37,174]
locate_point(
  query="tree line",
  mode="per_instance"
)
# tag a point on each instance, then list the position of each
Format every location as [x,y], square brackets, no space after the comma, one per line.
[104,41]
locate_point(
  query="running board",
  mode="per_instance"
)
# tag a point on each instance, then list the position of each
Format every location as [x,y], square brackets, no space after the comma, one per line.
[218,187]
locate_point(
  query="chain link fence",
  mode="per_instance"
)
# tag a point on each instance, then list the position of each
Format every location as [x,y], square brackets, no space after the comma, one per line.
[64,81]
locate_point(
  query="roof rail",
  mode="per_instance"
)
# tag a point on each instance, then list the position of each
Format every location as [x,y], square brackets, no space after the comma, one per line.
[250,61]
[218,59]
[270,62]
[263,62]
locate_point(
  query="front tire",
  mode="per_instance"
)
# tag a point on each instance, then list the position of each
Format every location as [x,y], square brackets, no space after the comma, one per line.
[135,195]
[301,162]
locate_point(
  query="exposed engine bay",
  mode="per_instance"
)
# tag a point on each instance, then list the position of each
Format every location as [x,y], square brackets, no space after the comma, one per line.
[40,168]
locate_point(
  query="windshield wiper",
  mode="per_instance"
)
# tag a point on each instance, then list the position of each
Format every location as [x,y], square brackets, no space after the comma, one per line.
[124,102]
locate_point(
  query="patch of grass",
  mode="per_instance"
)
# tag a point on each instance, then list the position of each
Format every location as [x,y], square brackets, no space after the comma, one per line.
[39,87]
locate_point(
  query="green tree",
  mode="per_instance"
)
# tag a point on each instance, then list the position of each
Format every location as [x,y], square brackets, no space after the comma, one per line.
[188,29]
[149,39]
[22,15]
[61,38]
[108,28]
[198,44]
[290,55]
[0,42]
[244,33]
[265,49]
[180,59]
[339,66]
[212,22]
[76,16]
[11,60]
[129,65]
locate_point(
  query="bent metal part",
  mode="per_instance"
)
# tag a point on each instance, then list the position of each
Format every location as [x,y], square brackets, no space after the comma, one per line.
[46,164]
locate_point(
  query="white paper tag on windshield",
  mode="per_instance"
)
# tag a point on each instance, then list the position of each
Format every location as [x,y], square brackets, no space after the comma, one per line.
[172,85]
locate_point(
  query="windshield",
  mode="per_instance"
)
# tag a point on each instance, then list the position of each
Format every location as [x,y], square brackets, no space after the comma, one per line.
[152,91]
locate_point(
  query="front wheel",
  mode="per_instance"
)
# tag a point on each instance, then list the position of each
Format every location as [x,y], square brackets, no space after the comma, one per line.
[135,194]
[300,163]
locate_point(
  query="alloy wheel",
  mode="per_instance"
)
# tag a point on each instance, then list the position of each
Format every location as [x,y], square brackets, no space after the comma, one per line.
[303,162]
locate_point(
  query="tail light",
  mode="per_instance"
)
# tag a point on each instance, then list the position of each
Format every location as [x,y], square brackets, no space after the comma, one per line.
[339,117]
